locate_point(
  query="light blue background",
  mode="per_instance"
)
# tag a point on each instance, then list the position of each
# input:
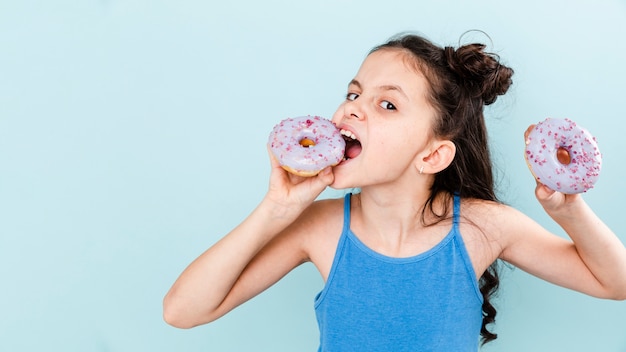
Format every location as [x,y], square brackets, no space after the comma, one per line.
[132,137]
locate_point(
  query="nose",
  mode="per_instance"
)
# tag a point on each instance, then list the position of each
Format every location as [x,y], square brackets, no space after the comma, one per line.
[349,109]
[353,110]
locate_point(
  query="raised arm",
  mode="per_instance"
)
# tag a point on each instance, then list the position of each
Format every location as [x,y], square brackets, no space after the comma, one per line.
[250,258]
[593,262]
[598,247]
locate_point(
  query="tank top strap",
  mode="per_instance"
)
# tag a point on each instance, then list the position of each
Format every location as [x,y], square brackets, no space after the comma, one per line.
[339,251]
[346,213]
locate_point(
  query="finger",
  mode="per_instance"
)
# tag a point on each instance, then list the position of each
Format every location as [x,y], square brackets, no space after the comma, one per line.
[543,192]
[273,160]
[321,181]
[527,132]
[326,176]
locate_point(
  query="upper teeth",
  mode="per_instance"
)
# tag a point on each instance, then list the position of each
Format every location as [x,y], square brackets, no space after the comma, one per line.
[347,133]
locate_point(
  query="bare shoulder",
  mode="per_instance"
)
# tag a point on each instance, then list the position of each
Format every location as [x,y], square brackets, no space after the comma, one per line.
[320,227]
[495,219]
[487,228]
[322,214]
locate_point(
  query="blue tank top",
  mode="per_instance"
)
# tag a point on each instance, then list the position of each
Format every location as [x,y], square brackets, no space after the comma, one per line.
[372,302]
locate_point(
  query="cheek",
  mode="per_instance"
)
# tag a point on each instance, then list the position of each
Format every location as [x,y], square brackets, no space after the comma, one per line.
[407,142]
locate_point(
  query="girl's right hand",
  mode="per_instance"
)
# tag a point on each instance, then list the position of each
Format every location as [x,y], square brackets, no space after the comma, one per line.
[291,194]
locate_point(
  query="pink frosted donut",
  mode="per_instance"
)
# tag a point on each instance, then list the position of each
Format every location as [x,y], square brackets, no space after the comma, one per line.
[563,156]
[306,145]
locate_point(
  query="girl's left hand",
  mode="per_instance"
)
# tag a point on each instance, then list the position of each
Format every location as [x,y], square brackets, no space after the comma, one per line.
[551,200]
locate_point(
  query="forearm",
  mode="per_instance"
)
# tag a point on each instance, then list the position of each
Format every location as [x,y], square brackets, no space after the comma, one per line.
[598,247]
[206,282]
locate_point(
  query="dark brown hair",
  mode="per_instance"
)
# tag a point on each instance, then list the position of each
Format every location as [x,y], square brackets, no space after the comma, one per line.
[461,82]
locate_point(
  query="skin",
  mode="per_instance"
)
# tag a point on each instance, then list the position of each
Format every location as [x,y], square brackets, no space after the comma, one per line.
[386,109]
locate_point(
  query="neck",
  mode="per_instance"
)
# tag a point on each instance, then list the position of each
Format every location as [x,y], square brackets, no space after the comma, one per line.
[391,220]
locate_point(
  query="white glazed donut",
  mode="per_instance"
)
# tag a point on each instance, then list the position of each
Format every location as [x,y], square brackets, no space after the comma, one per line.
[563,156]
[306,145]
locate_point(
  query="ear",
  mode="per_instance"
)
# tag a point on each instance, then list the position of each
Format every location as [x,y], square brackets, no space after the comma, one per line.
[439,156]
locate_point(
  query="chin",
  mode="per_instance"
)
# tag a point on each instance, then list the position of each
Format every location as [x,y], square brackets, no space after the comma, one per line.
[343,181]
[346,176]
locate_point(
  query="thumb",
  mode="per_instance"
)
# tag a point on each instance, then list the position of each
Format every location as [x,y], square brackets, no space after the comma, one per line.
[527,132]
[311,187]
[326,176]
[323,179]
[543,192]
[319,182]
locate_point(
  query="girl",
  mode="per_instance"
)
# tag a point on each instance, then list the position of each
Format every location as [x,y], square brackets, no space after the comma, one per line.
[409,262]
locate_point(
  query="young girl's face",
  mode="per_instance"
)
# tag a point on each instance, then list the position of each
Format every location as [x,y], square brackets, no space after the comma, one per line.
[386,110]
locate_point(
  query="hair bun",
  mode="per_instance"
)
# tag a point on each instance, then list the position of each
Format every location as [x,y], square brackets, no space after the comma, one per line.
[479,72]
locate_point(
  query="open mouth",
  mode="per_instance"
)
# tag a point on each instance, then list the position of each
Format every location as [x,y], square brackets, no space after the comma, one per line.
[353,146]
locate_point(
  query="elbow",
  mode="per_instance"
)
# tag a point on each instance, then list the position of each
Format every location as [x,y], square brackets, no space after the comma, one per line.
[621,296]
[173,317]
[617,298]
[615,295]
[174,314]
[179,315]
[180,324]
[175,320]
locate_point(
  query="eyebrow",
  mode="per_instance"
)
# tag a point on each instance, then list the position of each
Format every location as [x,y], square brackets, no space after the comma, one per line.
[354,82]
[385,87]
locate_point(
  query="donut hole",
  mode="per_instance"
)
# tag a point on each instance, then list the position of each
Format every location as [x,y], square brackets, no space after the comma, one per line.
[307,142]
[563,156]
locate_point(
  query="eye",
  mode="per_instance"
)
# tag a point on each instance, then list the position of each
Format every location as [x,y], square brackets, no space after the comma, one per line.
[352,96]
[387,105]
